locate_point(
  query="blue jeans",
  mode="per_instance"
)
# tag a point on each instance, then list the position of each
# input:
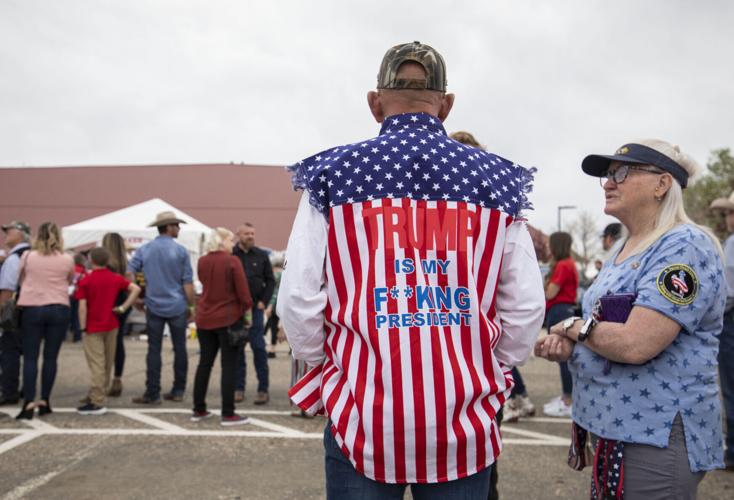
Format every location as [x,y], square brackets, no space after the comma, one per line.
[343,482]
[10,353]
[154,327]
[556,314]
[74,326]
[726,374]
[120,351]
[257,343]
[48,324]
[519,389]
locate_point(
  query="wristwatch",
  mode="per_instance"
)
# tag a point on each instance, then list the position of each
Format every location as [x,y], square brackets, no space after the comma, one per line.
[569,323]
[587,328]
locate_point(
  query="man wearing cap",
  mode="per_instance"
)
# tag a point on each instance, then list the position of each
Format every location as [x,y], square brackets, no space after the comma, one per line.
[17,236]
[169,299]
[410,289]
[611,235]
[726,340]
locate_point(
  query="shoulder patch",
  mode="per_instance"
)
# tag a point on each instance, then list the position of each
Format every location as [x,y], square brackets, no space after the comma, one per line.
[678,283]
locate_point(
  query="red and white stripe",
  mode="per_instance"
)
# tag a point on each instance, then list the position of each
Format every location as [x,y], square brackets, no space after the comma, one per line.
[415,404]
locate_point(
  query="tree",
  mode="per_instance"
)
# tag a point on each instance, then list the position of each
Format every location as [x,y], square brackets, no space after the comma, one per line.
[586,234]
[717,182]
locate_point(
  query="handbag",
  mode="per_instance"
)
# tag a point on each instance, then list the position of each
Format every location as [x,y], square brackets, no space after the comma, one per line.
[9,310]
[236,332]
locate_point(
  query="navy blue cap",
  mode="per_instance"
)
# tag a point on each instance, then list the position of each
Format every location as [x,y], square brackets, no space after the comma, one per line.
[597,165]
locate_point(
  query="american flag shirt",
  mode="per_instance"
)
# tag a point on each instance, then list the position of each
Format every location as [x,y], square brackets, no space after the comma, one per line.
[411,287]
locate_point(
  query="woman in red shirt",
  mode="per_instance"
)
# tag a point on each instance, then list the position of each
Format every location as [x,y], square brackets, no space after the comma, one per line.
[223,303]
[561,285]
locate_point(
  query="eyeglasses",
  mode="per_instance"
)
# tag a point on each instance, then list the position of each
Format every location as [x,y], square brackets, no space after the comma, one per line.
[621,173]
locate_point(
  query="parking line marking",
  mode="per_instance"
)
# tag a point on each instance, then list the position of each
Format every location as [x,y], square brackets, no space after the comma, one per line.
[32,429]
[22,438]
[275,427]
[540,436]
[147,419]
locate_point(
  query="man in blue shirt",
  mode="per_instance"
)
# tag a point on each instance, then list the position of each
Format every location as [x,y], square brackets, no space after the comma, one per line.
[169,298]
[17,236]
[726,339]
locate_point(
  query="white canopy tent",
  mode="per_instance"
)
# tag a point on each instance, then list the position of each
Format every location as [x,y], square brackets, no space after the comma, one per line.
[132,224]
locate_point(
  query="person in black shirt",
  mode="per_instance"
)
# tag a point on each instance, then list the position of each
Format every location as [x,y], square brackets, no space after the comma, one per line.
[262,283]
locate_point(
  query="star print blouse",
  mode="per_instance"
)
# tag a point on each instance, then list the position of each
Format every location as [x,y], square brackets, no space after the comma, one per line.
[679,276]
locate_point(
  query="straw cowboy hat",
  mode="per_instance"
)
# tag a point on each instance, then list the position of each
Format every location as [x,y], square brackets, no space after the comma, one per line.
[165,218]
[723,203]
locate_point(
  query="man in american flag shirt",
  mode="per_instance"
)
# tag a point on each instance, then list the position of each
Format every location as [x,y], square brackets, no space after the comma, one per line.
[411,288]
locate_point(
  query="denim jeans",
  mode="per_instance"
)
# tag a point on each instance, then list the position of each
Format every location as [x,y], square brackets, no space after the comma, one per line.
[343,482]
[120,351]
[74,325]
[726,375]
[210,342]
[519,389]
[257,343]
[10,353]
[556,314]
[154,327]
[47,324]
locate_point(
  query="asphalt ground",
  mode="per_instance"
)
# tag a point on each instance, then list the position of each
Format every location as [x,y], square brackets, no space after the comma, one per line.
[142,452]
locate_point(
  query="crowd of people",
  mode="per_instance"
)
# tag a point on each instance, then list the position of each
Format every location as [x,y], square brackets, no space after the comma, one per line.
[49,294]
[411,296]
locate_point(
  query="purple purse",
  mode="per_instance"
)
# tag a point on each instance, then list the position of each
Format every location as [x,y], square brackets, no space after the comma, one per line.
[615,308]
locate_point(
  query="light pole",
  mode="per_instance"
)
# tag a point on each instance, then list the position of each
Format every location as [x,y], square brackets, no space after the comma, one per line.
[560,208]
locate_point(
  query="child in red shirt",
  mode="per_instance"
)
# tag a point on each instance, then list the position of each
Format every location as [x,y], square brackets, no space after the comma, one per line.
[97,293]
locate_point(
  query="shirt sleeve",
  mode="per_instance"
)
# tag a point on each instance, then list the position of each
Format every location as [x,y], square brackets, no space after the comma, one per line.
[188,273]
[122,283]
[135,264]
[680,280]
[560,274]
[302,294]
[269,279]
[520,297]
[9,273]
[240,283]
[81,289]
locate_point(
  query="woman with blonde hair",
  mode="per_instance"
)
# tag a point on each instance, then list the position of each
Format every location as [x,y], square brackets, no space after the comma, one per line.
[114,243]
[224,300]
[643,356]
[45,273]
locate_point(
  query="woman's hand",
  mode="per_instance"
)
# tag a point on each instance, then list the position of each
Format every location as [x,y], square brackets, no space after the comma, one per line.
[554,347]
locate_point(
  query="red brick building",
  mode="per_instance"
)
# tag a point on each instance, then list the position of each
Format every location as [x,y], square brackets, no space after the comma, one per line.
[216,194]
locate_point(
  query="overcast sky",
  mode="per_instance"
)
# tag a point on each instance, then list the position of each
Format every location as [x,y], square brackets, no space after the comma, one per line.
[183,81]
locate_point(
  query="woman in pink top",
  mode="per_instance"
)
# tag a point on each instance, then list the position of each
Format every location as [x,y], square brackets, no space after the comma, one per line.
[45,275]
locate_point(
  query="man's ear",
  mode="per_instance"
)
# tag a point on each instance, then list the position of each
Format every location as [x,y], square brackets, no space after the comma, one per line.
[447,102]
[375,103]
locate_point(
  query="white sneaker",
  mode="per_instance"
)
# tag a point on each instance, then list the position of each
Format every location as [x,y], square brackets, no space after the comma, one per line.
[527,408]
[511,412]
[552,403]
[557,409]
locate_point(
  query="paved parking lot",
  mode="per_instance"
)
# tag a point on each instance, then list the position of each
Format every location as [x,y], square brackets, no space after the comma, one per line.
[140,452]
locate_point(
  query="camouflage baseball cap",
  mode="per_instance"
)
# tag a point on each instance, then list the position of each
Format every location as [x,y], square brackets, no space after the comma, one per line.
[19,225]
[423,54]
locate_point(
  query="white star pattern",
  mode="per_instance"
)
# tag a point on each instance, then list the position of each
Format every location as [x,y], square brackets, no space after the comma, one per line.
[466,174]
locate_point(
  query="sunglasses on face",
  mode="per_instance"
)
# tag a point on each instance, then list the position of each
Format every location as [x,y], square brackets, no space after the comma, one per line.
[619,175]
